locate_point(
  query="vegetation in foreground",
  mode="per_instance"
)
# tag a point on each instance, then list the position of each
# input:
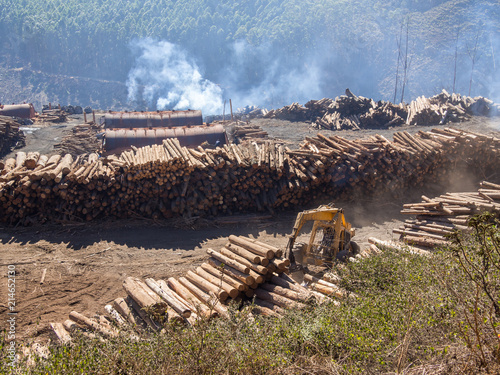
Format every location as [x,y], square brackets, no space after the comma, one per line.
[412,314]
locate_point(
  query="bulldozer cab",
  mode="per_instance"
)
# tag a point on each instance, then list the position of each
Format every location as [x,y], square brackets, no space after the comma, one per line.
[330,236]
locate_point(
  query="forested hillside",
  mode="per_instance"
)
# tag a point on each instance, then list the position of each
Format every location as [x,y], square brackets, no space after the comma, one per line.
[196,53]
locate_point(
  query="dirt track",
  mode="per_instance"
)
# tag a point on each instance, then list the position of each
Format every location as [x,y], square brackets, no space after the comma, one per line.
[86,264]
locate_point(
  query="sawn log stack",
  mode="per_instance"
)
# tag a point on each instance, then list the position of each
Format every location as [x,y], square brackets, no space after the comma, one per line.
[169,180]
[243,270]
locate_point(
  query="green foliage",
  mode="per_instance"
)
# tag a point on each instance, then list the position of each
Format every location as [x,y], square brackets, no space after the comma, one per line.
[478,257]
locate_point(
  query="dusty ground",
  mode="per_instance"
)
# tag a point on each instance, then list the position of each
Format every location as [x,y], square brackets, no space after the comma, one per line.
[86,264]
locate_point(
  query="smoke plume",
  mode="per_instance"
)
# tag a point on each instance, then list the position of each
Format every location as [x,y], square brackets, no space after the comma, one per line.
[166,78]
[257,75]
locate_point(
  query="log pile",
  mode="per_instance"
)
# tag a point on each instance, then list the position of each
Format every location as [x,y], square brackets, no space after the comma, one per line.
[438,217]
[10,135]
[240,131]
[244,270]
[164,181]
[456,103]
[292,112]
[83,139]
[356,112]
[249,132]
[51,115]
[444,108]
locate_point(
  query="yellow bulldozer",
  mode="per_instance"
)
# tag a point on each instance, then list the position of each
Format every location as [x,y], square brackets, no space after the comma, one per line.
[330,238]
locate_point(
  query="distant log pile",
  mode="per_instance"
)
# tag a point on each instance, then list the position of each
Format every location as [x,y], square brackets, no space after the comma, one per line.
[164,181]
[51,115]
[243,270]
[440,216]
[292,112]
[83,139]
[250,133]
[356,112]
[240,131]
[10,135]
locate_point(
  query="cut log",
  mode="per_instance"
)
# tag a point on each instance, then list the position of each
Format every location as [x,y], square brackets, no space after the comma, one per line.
[228,261]
[231,290]
[61,335]
[145,300]
[277,299]
[207,286]
[169,297]
[194,302]
[252,247]
[212,302]
[88,323]
[121,306]
[243,277]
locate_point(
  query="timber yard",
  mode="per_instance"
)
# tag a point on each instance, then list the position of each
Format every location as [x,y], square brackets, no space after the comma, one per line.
[116,219]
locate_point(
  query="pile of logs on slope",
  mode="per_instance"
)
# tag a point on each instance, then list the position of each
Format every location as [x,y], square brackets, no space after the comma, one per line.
[83,139]
[243,270]
[438,217]
[51,115]
[356,112]
[11,137]
[170,181]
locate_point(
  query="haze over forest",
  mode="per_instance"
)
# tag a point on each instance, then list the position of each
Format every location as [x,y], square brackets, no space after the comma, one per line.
[163,54]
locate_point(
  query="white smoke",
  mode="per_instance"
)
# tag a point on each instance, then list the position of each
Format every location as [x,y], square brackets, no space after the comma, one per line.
[164,77]
[280,82]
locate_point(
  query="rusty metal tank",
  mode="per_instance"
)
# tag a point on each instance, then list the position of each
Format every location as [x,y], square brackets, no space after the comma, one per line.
[18,110]
[159,119]
[118,140]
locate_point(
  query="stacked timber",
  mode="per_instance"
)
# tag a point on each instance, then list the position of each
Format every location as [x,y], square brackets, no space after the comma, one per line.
[246,132]
[244,270]
[51,115]
[356,112]
[168,180]
[292,112]
[11,137]
[83,139]
[437,218]
[383,116]
[462,107]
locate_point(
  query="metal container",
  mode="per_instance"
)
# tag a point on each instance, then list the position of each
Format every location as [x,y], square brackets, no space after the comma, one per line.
[159,119]
[18,110]
[118,140]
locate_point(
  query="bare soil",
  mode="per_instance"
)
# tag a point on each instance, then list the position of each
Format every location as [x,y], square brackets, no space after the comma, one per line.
[86,264]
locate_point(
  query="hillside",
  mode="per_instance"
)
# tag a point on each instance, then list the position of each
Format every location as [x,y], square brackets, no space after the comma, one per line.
[268,53]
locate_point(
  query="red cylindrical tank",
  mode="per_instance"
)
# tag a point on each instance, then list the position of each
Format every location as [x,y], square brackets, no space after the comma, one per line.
[159,119]
[118,140]
[18,110]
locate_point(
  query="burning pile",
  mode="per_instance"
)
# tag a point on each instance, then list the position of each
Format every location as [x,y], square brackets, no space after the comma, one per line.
[170,180]
[356,112]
